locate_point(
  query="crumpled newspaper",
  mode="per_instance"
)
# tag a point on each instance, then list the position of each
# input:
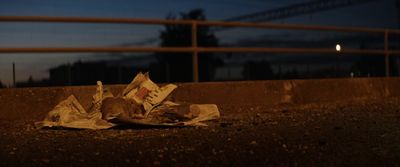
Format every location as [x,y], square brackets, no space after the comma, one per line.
[142,102]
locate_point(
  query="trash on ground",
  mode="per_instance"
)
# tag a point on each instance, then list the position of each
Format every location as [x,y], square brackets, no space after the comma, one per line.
[142,102]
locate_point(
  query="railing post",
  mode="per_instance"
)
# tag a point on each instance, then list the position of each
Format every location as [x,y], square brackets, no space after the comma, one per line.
[195,59]
[386,43]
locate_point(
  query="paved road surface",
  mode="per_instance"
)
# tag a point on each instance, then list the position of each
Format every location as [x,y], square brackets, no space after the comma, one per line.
[352,133]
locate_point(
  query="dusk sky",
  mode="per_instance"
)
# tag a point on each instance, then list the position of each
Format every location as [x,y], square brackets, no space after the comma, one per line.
[377,14]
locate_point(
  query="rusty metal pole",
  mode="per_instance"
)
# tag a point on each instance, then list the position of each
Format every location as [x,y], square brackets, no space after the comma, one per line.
[195,59]
[386,43]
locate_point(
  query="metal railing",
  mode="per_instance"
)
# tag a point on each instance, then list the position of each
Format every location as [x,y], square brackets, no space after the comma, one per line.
[195,49]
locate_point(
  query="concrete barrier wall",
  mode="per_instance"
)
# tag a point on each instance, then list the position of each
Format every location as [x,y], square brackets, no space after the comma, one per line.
[34,103]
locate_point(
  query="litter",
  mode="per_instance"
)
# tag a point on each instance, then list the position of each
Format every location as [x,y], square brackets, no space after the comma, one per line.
[142,102]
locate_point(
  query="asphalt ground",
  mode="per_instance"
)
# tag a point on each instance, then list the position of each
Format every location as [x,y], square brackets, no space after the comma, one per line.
[363,132]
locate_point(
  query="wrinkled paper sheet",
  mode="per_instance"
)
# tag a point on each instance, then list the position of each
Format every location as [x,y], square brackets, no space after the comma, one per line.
[142,102]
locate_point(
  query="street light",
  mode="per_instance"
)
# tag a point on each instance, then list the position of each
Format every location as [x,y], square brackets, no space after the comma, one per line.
[338,47]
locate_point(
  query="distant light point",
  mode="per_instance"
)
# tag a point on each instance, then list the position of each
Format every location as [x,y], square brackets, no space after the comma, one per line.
[338,47]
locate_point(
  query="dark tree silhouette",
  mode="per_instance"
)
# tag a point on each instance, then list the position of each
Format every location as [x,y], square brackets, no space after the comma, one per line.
[2,85]
[258,70]
[87,73]
[369,67]
[292,74]
[177,67]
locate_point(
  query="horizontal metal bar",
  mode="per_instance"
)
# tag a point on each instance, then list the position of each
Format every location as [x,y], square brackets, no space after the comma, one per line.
[293,50]
[192,49]
[91,20]
[188,22]
[394,52]
[92,50]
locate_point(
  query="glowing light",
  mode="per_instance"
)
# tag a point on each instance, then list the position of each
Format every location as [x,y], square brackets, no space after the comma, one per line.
[338,47]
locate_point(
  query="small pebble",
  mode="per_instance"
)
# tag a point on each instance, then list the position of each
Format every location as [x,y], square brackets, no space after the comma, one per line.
[46,161]
[156,163]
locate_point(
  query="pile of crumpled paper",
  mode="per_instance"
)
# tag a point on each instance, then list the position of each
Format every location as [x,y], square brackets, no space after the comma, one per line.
[142,102]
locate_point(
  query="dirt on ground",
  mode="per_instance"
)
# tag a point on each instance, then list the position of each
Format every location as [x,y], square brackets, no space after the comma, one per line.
[363,132]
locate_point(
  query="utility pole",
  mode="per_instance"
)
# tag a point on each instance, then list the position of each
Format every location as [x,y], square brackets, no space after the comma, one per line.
[13,71]
[69,74]
[397,58]
[119,79]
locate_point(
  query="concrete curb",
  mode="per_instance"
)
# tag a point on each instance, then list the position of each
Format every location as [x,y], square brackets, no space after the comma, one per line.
[28,103]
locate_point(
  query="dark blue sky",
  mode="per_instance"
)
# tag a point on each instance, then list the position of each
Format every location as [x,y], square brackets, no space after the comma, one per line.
[379,14]
[137,8]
